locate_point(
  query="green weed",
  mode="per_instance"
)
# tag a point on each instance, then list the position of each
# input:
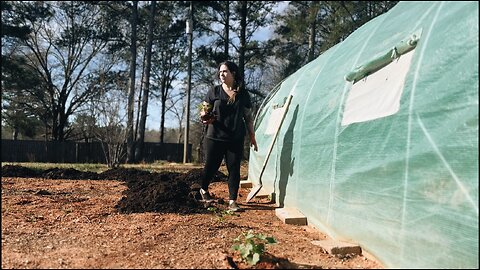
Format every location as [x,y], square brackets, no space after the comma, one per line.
[252,246]
[220,213]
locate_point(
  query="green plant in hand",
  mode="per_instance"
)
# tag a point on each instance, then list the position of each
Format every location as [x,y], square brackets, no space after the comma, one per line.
[205,109]
[252,246]
[205,106]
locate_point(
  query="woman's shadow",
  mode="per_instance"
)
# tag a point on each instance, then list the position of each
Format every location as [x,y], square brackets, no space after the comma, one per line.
[286,160]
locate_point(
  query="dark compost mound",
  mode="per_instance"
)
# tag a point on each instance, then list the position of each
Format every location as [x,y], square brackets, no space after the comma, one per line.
[147,192]
[69,173]
[157,192]
[19,171]
[53,173]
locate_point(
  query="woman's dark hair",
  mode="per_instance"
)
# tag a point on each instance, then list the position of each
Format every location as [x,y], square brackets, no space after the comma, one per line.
[237,78]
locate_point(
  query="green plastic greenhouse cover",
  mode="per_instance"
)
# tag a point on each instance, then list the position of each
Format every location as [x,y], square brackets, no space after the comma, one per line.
[402,185]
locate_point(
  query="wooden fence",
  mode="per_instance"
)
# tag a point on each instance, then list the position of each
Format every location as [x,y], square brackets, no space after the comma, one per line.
[81,152]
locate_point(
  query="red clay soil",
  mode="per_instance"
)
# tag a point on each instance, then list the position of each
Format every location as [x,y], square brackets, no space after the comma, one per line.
[129,218]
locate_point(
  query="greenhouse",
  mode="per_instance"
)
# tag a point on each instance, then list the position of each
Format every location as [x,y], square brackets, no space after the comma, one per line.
[377,139]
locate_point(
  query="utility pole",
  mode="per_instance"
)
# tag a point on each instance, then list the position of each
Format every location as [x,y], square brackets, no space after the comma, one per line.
[189,83]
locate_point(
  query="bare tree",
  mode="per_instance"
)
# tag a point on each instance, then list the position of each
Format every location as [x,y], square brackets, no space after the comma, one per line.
[110,131]
[62,55]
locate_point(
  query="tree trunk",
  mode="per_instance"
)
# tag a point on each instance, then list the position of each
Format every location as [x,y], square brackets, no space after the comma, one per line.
[163,87]
[139,102]
[15,133]
[131,90]
[227,28]
[311,41]
[243,41]
[146,86]
[313,30]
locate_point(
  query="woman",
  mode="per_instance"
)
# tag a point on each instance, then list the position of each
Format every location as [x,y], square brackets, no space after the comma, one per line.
[231,110]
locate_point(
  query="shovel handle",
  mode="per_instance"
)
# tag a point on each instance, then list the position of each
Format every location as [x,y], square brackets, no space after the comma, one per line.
[285,106]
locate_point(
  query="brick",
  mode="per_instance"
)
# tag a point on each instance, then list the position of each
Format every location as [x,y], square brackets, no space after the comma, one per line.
[338,247]
[246,184]
[290,215]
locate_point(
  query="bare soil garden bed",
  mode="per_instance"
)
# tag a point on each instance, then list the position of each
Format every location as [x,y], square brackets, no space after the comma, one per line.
[130,218]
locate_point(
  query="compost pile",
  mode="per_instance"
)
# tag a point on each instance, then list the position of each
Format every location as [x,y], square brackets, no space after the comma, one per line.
[167,192]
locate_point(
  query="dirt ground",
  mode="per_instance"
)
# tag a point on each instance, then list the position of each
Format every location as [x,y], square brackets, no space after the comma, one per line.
[129,218]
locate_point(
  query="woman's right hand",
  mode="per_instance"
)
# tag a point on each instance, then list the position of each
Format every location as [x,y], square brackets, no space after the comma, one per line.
[208,121]
[206,118]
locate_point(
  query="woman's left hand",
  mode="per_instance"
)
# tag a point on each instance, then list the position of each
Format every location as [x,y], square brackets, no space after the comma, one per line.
[253,142]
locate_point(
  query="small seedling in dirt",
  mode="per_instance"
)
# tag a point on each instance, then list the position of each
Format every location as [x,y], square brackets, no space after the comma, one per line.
[220,214]
[252,246]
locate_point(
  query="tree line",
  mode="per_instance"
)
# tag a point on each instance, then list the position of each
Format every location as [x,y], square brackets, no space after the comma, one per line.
[90,70]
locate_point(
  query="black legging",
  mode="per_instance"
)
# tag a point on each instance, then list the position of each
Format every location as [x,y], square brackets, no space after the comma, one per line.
[233,153]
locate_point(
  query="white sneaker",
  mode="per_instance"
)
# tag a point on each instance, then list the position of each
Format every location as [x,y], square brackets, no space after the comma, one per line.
[233,206]
[205,196]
